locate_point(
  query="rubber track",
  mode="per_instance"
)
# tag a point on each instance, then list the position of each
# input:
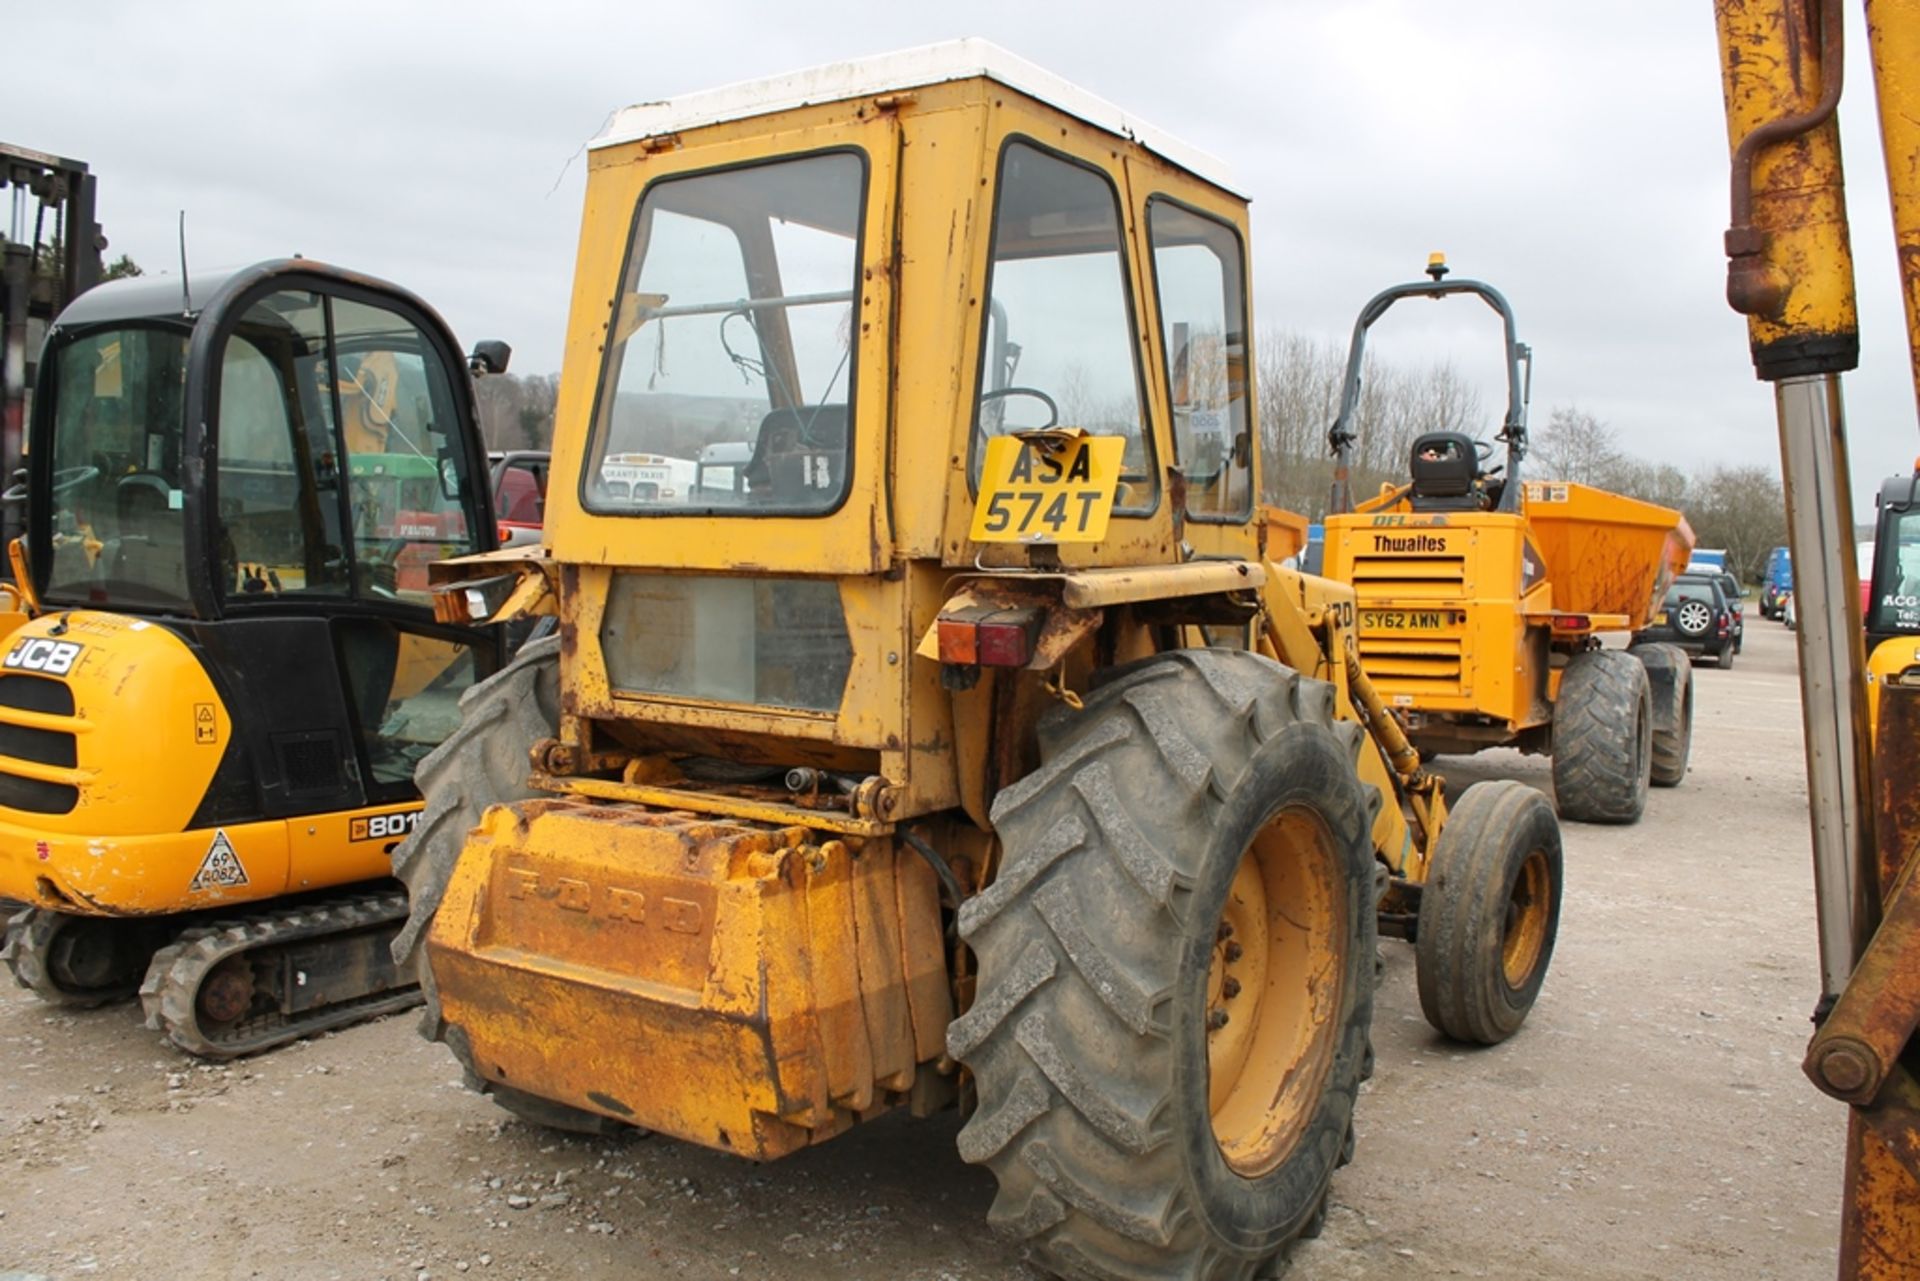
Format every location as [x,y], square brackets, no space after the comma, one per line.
[29,934]
[169,994]
[1076,932]
[1601,720]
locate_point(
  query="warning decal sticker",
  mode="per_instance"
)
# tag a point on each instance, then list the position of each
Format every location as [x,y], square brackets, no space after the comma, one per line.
[220,869]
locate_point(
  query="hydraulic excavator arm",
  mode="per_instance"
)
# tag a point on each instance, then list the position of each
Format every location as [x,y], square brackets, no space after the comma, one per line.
[1791,274]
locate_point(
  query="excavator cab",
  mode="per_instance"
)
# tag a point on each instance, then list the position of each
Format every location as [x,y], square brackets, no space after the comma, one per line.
[235,487]
[1893,593]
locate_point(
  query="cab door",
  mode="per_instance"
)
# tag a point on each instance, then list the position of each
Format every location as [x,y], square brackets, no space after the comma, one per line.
[345,459]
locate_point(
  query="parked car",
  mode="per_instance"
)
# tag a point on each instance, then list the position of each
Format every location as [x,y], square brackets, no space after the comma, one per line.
[1737,602]
[1777,584]
[1698,616]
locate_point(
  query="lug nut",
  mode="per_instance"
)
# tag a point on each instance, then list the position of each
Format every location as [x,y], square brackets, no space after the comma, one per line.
[1230,988]
[1225,931]
[1233,951]
[1216,1019]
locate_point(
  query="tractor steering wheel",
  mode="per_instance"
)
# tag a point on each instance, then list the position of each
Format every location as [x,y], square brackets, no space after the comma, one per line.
[65,480]
[1053,410]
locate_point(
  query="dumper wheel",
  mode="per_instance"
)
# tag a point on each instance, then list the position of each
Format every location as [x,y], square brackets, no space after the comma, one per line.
[484,762]
[1175,972]
[1603,738]
[79,961]
[1489,913]
[1670,678]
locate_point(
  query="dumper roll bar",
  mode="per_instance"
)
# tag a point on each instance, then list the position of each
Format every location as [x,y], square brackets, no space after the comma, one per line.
[1519,382]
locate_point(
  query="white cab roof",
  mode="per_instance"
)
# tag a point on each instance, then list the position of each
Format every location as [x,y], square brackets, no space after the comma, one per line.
[893,72]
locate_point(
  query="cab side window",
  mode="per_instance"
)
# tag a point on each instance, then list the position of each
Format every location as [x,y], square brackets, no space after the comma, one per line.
[1198,270]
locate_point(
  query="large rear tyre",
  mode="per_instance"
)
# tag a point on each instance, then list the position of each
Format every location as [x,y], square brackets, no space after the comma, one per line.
[1176,973]
[1670,681]
[482,763]
[1603,738]
[1489,913]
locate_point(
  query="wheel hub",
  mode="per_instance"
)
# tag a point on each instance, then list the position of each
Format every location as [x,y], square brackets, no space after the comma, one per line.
[1528,908]
[227,993]
[1274,991]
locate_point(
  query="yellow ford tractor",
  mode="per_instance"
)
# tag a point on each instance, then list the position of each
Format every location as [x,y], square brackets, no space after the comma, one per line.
[1482,598]
[931,722]
[223,666]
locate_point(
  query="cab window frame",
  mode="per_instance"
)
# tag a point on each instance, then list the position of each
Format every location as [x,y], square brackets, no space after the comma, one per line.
[610,351]
[1249,394]
[1142,390]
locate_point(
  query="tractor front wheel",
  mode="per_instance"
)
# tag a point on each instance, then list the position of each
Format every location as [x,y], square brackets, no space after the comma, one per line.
[1489,913]
[1175,972]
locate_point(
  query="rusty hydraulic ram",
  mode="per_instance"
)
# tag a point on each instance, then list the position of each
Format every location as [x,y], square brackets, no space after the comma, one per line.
[1790,272]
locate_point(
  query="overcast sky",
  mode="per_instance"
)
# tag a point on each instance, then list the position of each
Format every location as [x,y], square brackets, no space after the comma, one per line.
[1574,156]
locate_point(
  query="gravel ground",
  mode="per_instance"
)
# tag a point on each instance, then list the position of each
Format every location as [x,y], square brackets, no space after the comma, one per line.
[1649,1122]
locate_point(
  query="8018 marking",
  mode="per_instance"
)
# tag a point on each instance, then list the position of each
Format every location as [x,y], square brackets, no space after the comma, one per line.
[383,827]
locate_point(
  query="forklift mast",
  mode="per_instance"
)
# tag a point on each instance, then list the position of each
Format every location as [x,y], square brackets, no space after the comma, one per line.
[50,254]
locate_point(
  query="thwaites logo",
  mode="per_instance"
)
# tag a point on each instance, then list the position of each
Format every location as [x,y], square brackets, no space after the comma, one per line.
[383,827]
[40,654]
[1408,543]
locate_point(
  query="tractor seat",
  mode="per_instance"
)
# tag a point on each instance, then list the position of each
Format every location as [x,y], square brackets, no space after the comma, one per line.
[800,455]
[1445,466]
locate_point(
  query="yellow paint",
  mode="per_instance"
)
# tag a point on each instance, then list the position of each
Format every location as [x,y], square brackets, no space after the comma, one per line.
[1771,70]
[1451,627]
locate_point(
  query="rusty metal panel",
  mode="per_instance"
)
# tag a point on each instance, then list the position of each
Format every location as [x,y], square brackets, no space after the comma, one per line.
[745,986]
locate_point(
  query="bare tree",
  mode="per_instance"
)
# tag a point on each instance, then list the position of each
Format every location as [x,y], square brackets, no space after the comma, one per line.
[1575,446]
[516,412]
[1299,385]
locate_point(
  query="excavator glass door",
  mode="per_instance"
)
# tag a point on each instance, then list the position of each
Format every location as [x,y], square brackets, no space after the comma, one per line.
[339,429]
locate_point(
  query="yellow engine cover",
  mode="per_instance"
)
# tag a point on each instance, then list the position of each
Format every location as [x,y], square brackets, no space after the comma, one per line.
[747,987]
[110,732]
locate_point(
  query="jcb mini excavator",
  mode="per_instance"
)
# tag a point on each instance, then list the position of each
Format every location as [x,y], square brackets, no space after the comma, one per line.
[222,665]
[933,721]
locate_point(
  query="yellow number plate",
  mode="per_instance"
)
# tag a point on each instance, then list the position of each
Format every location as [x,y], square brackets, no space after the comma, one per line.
[1403,620]
[1660,618]
[1032,495]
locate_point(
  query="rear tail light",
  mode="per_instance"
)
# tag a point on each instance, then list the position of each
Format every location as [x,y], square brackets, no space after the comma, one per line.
[990,638]
[1004,645]
[1572,622]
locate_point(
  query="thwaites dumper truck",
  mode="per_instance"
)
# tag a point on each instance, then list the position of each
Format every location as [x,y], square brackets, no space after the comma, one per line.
[223,665]
[1482,597]
[965,744]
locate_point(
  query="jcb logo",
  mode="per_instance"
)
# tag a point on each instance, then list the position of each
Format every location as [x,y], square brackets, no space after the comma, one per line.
[38,654]
[383,827]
